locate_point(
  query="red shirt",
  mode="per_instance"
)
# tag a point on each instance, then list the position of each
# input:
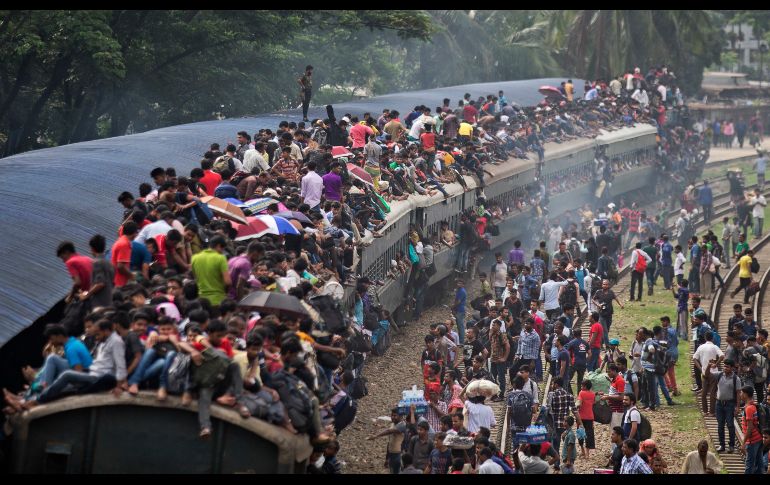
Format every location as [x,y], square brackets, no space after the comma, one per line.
[224,345]
[121,253]
[586,409]
[538,326]
[428,140]
[598,332]
[81,267]
[162,250]
[210,180]
[750,414]
[619,385]
[469,113]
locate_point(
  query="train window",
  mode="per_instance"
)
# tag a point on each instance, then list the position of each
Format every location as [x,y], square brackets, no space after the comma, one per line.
[57,457]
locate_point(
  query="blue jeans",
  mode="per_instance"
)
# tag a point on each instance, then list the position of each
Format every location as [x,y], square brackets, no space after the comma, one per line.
[593,362]
[653,381]
[606,324]
[463,253]
[460,320]
[725,411]
[758,226]
[650,272]
[69,378]
[754,459]
[52,368]
[667,272]
[498,372]
[394,463]
[152,365]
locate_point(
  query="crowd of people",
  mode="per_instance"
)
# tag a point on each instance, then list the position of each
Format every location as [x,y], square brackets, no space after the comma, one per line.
[159,308]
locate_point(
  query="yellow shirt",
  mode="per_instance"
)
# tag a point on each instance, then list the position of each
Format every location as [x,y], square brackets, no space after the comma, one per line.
[745,267]
[466,129]
[570,90]
[242,360]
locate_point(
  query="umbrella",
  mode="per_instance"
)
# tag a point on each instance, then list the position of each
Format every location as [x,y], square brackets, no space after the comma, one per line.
[252,229]
[360,174]
[225,209]
[254,206]
[294,215]
[276,302]
[339,151]
[278,224]
[550,91]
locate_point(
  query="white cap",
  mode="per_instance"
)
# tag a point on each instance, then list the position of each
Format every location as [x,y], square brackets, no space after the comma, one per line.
[611,205]
[346,119]
[601,104]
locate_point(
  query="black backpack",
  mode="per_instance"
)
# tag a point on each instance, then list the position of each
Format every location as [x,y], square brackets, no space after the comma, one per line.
[297,399]
[754,265]
[520,404]
[344,413]
[662,360]
[330,312]
[357,388]
[763,416]
[570,294]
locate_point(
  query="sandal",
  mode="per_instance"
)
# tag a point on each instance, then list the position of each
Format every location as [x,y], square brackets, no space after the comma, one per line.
[205,433]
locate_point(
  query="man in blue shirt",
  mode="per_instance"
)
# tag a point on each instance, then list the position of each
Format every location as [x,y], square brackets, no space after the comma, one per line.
[76,356]
[672,349]
[705,199]
[226,190]
[458,309]
[694,276]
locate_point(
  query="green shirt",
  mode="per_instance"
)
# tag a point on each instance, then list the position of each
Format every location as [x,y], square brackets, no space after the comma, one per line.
[208,266]
[741,247]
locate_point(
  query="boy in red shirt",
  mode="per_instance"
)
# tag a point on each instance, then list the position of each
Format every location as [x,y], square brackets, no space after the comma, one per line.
[752,442]
[594,341]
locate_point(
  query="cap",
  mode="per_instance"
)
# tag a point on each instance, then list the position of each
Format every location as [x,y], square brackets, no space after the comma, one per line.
[345,119]
[355,191]
[614,341]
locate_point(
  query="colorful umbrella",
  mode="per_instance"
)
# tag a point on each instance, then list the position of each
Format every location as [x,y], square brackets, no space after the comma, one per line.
[225,209]
[278,224]
[252,229]
[360,174]
[255,206]
[263,301]
[299,216]
[550,91]
[339,151]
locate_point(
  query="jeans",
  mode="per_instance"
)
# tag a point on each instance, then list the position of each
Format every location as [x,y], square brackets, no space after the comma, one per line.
[394,463]
[637,278]
[651,276]
[580,371]
[498,372]
[460,321]
[232,383]
[153,365]
[652,380]
[725,411]
[694,279]
[682,324]
[461,262]
[758,226]
[306,102]
[419,297]
[707,213]
[754,459]
[593,362]
[556,441]
[52,368]
[81,381]
[667,272]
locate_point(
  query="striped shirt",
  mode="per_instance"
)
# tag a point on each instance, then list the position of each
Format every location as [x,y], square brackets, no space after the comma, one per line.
[634,466]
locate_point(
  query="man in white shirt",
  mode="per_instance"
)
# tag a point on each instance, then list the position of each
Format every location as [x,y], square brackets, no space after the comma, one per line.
[679,263]
[311,188]
[549,295]
[479,415]
[662,90]
[254,158]
[160,227]
[758,204]
[705,354]
[488,467]
[640,95]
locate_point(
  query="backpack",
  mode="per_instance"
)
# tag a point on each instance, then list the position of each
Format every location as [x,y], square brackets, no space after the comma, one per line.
[330,312]
[520,404]
[569,296]
[296,398]
[641,262]
[760,371]
[763,416]
[177,373]
[574,249]
[357,388]
[716,339]
[344,413]
[644,429]
[222,163]
[754,265]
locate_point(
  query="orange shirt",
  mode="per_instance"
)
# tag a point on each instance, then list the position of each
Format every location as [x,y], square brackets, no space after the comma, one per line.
[121,253]
[750,414]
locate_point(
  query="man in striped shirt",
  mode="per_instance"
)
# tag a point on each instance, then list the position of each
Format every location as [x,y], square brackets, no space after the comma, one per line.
[286,166]
[632,464]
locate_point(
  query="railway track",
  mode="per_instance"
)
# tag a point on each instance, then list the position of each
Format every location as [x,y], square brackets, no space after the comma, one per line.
[721,311]
[721,207]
